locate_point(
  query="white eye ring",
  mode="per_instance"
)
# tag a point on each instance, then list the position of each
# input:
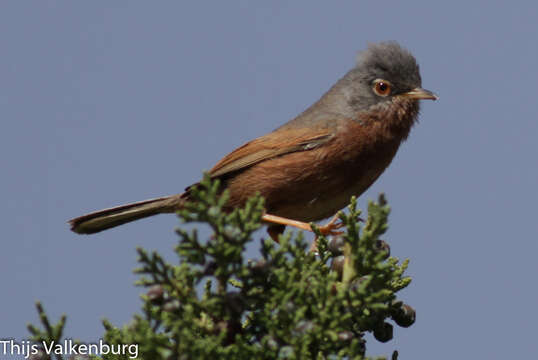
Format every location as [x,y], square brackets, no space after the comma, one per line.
[382,87]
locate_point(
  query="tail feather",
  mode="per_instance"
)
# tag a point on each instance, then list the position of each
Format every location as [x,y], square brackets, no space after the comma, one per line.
[108,218]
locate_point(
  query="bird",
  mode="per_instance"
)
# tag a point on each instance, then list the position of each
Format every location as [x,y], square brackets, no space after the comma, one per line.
[309,168]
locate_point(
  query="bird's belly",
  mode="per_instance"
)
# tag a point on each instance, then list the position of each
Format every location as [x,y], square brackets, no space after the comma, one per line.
[317,201]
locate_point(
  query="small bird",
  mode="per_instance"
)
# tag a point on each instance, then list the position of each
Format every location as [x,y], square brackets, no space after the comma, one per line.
[310,167]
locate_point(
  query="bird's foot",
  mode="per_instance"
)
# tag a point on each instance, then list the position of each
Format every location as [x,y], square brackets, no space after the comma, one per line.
[331,229]
[332,226]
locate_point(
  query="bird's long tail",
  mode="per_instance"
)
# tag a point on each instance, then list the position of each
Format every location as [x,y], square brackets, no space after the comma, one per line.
[112,217]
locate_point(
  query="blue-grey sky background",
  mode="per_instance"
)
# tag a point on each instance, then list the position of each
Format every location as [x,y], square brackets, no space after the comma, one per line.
[103,103]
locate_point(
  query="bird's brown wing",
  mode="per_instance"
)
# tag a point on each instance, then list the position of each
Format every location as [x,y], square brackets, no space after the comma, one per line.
[269,146]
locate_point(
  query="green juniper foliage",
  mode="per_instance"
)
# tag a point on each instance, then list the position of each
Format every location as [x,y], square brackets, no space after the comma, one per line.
[287,304]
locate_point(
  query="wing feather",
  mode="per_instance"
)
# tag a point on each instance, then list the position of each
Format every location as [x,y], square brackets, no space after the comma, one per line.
[274,144]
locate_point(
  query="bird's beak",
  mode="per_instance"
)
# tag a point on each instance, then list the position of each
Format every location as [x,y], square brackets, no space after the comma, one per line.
[420,93]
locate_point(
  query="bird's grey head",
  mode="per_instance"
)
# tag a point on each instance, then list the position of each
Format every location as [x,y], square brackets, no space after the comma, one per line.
[385,78]
[383,72]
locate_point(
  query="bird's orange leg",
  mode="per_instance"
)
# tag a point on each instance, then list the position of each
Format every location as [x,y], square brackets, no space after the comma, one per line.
[286,222]
[328,229]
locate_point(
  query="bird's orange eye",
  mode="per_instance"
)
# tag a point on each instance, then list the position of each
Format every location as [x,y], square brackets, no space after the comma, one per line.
[382,87]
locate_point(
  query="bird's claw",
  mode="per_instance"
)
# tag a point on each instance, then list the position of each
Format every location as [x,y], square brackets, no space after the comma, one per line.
[331,227]
[328,229]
